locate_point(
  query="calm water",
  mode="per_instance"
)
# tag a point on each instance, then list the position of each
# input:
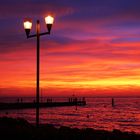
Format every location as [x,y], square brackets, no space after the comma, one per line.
[97,114]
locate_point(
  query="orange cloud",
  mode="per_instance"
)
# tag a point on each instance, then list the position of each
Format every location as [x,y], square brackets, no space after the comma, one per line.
[92,66]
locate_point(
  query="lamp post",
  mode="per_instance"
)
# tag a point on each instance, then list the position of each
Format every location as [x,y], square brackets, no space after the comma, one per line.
[27,26]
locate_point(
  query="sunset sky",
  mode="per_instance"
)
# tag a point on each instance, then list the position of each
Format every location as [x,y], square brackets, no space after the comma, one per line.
[93,49]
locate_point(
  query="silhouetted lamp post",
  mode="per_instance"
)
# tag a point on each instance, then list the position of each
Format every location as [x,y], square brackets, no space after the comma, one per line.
[27,26]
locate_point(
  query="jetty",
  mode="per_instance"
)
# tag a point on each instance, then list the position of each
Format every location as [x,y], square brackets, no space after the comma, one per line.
[48,103]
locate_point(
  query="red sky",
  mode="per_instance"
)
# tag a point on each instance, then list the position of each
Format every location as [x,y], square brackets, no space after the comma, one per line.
[94,49]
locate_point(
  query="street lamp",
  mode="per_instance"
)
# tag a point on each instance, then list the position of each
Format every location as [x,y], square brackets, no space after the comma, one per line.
[27,26]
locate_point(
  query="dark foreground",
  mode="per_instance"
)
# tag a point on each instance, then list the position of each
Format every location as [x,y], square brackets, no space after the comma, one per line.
[20,129]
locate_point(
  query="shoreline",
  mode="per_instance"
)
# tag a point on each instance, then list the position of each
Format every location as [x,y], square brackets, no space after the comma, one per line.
[21,129]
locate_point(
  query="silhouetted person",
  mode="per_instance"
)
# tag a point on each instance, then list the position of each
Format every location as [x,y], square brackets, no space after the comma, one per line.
[113,104]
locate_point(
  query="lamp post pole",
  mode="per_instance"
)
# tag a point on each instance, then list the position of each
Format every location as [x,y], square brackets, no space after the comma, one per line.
[37,72]
[28,25]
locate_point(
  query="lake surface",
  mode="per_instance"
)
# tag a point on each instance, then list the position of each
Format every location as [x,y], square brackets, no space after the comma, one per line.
[97,114]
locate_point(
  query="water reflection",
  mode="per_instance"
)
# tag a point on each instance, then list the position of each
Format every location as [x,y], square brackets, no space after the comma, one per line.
[98,114]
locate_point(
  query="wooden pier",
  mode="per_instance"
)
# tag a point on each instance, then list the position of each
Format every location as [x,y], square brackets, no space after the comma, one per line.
[49,103]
